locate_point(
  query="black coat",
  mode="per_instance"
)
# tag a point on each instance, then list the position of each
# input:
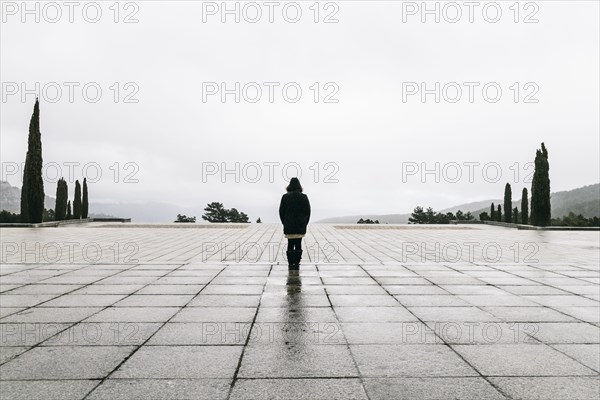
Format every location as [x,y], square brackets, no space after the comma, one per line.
[294,212]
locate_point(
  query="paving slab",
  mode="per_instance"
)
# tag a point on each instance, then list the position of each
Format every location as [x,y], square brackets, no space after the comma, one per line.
[521,359]
[45,389]
[65,362]
[409,360]
[201,333]
[540,388]
[587,354]
[181,362]
[215,300]
[8,353]
[167,389]
[134,314]
[297,360]
[298,389]
[431,389]
[104,334]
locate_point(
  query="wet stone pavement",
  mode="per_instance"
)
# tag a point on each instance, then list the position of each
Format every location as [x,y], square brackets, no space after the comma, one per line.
[179,318]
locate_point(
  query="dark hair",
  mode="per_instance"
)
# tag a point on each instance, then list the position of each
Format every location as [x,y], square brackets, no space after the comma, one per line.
[294,185]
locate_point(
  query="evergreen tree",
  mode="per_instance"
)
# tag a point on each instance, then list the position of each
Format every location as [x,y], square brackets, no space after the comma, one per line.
[49,215]
[540,189]
[524,207]
[492,212]
[84,201]
[507,203]
[215,212]
[58,201]
[499,213]
[60,209]
[515,215]
[32,191]
[65,196]
[69,214]
[77,201]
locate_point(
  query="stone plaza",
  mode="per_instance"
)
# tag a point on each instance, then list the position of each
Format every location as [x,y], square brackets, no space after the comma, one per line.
[194,311]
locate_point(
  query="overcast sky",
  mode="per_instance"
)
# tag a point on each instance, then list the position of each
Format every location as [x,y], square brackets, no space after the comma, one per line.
[372,61]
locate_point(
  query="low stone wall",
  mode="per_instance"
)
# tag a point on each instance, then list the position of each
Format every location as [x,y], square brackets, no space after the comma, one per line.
[542,228]
[54,224]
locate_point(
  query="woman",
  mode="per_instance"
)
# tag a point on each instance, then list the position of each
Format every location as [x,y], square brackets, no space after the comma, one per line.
[294,212]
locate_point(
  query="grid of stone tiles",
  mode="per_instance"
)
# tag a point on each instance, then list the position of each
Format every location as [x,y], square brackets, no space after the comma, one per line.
[180,313]
[324,243]
[201,330]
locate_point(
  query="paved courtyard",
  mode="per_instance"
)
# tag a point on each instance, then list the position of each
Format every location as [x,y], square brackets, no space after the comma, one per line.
[126,311]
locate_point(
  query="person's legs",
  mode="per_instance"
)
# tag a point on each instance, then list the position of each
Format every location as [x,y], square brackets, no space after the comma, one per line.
[294,252]
[297,252]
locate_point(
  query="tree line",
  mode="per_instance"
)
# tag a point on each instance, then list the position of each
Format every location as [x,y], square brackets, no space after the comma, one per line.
[540,198]
[32,190]
[63,209]
[428,216]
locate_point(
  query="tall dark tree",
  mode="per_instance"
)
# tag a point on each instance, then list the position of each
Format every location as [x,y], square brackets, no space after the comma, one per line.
[507,203]
[492,212]
[84,201]
[524,207]
[32,191]
[540,189]
[60,209]
[65,196]
[58,202]
[77,201]
[515,215]
[69,214]
[499,213]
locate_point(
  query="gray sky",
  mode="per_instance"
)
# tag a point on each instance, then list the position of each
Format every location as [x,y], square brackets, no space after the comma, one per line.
[370,58]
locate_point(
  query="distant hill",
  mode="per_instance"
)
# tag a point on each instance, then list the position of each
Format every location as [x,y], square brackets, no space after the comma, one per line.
[383,219]
[10,198]
[584,201]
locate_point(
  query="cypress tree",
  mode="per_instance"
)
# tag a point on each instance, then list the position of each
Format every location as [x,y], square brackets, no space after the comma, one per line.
[499,213]
[32,191]
[60,209]
[524,207]
[84,201]
[57,202]
[492,212]
[65,197]
[540,189]
[69,215]
[77,201]
[507,203]
[515,216]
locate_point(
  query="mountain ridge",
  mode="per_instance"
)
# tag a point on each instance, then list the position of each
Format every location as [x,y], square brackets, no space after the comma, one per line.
[584,200]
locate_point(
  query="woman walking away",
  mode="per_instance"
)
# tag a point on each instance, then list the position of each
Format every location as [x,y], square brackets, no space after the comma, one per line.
[294,212]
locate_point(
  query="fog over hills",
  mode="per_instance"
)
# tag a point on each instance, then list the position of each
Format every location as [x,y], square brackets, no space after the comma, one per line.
[584,200]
